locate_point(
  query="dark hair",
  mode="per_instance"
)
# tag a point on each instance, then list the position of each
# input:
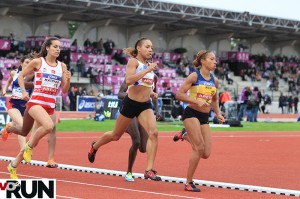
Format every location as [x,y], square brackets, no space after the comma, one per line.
[133,52]
[23,59]
[43,52]
[26,57]
[200,55]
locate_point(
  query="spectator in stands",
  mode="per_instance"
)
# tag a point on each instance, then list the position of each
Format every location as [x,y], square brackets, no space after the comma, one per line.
[87,43]
[290,104]
[296,101]
[1,78]
[140,80]
[224,97]
[81,67]
[74,43]
[12,42]
[243,100]
[168,94]
[72,98]
[253,105]
[266,101]
[66,60]
[108,47]
[100,46]
[202,87]
[282,102]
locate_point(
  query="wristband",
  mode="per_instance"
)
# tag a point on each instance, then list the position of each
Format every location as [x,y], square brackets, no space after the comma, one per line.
[23,89]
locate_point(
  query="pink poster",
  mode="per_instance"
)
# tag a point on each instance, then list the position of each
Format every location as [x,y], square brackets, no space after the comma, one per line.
[4,44]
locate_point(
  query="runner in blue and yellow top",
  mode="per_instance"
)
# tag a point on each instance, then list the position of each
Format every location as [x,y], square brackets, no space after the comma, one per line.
[202,87]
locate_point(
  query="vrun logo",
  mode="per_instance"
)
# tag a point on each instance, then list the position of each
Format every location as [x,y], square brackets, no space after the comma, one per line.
[28,188]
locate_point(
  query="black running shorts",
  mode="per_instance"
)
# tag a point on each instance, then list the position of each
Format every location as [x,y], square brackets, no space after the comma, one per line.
[190,113]
[130,108]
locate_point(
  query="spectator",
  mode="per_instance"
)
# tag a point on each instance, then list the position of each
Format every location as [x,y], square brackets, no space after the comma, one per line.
[87,43]
[282,102]
[224,97]
[72,97]
[81,67]
[1,78]
[74,43]
[168,94]
[296,101]
[243,102]
[253,105]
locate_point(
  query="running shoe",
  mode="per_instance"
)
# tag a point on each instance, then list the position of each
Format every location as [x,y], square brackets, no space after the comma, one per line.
[12,171]
[4,132]
[180,135]
[51,164]
[151,174]
[191,187]
[128,177]
[27,153]
[92,153]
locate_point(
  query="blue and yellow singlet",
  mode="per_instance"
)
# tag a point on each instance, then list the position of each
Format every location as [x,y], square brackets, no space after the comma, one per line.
[203,89]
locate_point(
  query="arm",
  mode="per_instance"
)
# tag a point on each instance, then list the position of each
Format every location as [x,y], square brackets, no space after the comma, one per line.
[28,81]
[131,77]
[122,92]
[65,80]
[154,96]
[11,75]
[32,66]
[215,104]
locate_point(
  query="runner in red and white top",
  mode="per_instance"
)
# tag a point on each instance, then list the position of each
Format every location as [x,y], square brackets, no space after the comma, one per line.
[50,74]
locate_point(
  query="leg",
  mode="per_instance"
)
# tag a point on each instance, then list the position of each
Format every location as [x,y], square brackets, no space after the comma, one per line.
[134,133]
[25,128]
[52,141]
[122,123]
[45,126]
[193,128]
[148,122]
[17,119]
[40,115]
[143,139]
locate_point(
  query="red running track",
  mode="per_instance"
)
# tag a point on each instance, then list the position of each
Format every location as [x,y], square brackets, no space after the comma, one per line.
[259,159]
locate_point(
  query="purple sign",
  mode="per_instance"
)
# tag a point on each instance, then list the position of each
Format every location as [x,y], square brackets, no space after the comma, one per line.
[4,44]
[239,56]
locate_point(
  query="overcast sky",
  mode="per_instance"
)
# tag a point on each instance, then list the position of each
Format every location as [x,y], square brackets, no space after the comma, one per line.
[285,9]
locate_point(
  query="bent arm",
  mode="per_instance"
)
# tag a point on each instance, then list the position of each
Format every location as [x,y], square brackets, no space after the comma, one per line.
[8,82]
[181,94]
[66,78]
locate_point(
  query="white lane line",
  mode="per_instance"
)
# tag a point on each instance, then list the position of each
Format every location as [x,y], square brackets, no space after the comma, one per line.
[108,187]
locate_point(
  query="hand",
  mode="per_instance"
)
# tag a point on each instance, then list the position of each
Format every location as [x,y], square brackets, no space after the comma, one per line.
[158,116]
[3,92]
[154,96]
[152,67]
[221,119]
[203,104]
[25,95]
[67,74]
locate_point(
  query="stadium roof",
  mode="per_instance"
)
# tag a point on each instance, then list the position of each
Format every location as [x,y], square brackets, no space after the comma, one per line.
[162,15]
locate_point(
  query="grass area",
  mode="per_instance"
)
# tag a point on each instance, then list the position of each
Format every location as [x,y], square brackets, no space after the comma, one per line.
[92,126]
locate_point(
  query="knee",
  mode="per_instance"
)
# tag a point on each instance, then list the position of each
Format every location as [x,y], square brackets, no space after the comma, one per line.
[153,134]
[48,127]
[136,144]
[199,149]
[206,155]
